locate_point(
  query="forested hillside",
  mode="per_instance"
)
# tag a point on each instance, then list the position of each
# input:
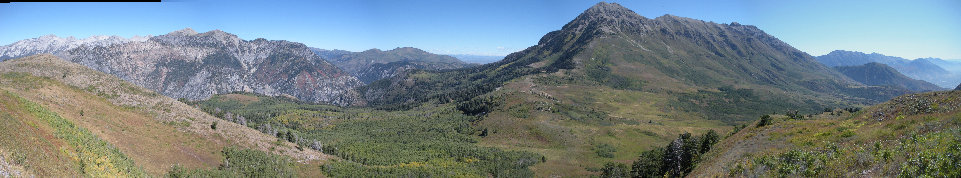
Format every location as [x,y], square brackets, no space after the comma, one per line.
[374,64]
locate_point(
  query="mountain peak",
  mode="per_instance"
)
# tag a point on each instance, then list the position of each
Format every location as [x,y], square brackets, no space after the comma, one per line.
[409,49]
[671,17]
[49,36]
[610,11]
[602,7]
[218,34]
[183,32]
[215,31]
[604,18]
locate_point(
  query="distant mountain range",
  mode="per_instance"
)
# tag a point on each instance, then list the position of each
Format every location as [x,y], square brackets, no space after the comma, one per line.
[191,65]
[52,43]
[921,69]
[883,75]
[375,64]
[478,59]
[953,66]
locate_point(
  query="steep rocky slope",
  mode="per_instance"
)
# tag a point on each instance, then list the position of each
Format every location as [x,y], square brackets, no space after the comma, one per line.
[375,64]
[882,75]
[186,64]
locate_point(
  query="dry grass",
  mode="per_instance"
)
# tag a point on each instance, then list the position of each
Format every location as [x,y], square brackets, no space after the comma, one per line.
[156,131]
[10,169]
[880,141]
[154,145]
[29,144]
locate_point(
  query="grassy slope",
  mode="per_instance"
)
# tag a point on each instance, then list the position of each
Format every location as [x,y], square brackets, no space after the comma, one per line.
[154,145]
[49,145]
[155,131]
[569,123]
[30,143]
[567,116]
[911,135]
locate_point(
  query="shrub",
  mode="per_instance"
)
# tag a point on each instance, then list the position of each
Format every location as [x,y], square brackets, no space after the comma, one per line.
[794,114]
[648,164]
[605,150]
[612,169]
[18,158]
[240,162]
[676,159]
[765,120]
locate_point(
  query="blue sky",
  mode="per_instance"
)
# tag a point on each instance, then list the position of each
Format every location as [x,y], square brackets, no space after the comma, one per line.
[910,29]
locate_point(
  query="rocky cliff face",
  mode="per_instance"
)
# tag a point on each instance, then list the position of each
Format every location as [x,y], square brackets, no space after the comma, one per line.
[191,65]
[54,44]
[374,64]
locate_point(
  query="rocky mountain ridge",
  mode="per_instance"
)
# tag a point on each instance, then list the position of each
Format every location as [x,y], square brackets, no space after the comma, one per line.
[191,65]
[53,44]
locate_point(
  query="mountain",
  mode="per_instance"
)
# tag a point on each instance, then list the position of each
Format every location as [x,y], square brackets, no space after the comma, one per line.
[191,65]
[62,119]
[52,44]
[611,45]
[953,66]
[882,75]
[921,69]
[375,64]
[853,58]
[611,82]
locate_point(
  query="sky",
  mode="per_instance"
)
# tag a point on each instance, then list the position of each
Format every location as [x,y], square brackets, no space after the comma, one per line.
[909,29]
